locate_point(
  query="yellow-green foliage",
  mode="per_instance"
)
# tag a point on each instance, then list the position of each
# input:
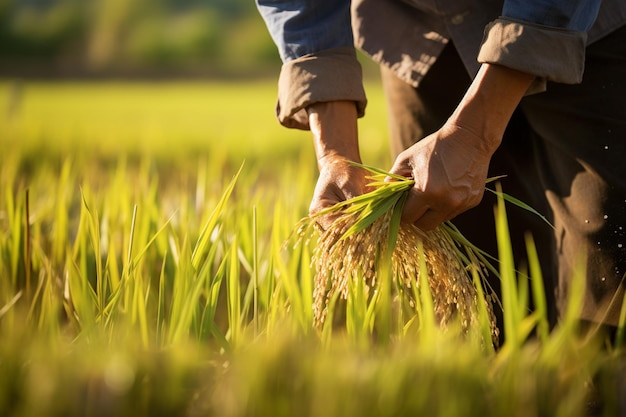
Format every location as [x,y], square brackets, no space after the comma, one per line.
[366,248]
[144,271]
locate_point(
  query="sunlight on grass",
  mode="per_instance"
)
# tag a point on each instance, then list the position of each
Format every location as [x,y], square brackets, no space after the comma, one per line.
[147,267]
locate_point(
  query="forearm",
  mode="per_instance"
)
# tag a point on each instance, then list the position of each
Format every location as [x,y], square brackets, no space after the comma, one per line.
[488,104]
[334,128]
[450,166]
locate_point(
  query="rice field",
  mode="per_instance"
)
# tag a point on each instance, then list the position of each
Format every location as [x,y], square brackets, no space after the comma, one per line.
[150,265]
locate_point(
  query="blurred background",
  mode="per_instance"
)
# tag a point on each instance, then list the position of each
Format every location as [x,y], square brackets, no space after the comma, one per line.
[134,38]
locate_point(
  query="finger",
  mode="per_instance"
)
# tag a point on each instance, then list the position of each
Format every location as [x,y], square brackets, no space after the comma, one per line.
[406,172]
[462,209]
[368,188]
[391,179]
[414,207]
[420,211]
[320,204]
[326,221]
[456,213]
[401,167]
[430,220]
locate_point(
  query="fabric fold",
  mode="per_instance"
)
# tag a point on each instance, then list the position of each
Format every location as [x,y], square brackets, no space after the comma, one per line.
[329,75]
[551,54]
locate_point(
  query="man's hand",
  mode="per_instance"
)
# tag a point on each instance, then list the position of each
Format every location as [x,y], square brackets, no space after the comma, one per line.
[450,169]
[334,129]
[450,166]
[339,180]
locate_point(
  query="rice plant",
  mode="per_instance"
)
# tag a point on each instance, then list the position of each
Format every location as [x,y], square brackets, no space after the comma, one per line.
[140,276]
[367,249]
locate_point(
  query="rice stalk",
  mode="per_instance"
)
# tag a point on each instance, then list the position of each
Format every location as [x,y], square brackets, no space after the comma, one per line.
[366,233]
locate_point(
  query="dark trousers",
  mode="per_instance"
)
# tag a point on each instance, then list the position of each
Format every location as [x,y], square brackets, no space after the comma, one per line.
[564,153]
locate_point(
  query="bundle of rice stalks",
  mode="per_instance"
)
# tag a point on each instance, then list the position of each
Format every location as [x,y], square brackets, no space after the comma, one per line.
[367,243]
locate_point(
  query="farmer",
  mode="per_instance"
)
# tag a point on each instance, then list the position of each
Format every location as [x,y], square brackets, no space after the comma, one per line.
[534,90]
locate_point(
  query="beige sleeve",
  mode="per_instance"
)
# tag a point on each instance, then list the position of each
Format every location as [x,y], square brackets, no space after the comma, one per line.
[330,75]
[552,54]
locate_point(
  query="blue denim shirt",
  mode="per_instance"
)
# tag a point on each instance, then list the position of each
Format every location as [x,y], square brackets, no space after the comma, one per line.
[301,27]
[316,40]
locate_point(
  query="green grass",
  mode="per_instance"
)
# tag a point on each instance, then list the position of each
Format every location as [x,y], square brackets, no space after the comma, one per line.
[147,268]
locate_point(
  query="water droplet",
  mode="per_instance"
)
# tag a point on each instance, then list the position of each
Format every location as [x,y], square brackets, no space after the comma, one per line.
[619,245]
[606,216]
[603,279]
[606,147]
[586,220]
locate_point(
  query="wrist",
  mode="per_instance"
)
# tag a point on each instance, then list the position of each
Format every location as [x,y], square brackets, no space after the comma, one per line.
[489,103]
[334,129]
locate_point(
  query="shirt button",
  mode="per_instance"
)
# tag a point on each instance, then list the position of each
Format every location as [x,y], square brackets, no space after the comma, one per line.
[457,19]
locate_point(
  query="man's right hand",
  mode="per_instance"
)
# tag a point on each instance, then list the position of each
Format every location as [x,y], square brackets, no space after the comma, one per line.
[338,181]
[335,135]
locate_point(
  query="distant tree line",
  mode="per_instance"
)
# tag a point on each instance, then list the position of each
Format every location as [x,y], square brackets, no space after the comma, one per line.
[74,37]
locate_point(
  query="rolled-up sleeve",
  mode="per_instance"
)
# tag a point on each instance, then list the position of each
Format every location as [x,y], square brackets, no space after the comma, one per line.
[315,42]
[329,75]
[546,38]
